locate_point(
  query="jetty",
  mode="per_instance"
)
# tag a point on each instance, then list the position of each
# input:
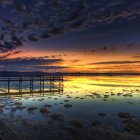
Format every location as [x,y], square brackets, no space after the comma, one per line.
[46,84]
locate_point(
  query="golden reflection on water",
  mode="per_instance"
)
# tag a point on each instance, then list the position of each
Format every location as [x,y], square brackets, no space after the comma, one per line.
[102,83]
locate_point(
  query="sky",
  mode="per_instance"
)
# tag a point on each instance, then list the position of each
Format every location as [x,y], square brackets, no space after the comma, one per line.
[70,35]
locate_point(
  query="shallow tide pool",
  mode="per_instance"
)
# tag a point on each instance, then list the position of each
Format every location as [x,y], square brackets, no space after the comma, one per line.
[88,104]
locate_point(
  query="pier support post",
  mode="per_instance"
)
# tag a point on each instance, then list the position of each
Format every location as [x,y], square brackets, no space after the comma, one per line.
[9,87]
[40,89]
[61,85]
[31,85]
[51,85]
[43,85]
[20,86]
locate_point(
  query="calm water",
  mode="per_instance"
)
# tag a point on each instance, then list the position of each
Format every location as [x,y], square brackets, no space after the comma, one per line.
[86,100]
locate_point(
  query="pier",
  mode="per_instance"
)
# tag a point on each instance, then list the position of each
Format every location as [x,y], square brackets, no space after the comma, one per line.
[54,84]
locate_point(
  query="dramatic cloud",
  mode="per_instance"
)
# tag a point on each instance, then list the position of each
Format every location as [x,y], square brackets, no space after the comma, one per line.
[114,62]
[31,64]
[35,19]
[9,54]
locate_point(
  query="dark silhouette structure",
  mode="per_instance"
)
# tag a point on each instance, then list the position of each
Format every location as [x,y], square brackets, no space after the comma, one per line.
[53,82]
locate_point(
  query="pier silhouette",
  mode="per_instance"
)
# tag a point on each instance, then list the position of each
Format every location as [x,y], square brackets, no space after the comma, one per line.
[54,84]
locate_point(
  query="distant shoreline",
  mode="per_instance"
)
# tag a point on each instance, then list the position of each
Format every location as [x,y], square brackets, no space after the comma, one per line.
[6,73]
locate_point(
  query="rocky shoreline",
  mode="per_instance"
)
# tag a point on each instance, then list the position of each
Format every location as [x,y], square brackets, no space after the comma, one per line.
[6,133]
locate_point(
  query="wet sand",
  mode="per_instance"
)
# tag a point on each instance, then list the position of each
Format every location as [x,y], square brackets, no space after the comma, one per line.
[6,133]
[81,113]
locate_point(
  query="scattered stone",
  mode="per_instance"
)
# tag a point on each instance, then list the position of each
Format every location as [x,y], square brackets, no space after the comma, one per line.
[41,99]
[66,100]
[112,94]
[95,123]
[124,115]
[102,114]
[47,105]
[74,132]
[69,97]
[2,105]
[44,110]
[119,94]
[67,105]
[18,103]
[32,108]
[106,96]
[20,107]
[96,94]
[130,103]
[128,94]
[77,123]
[57,117]
[104,100]
[134,126]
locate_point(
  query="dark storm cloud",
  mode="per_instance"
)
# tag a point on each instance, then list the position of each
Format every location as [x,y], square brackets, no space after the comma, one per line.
[47,18]
[114,62]
[10,45]
[9,54]
[50,67]
[6,2]
[131,45]
[33,37]
[74,61]
[30,63]
[136,56]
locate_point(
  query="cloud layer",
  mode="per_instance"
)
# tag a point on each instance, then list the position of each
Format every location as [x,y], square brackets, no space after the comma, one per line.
[31,64]
[41,19]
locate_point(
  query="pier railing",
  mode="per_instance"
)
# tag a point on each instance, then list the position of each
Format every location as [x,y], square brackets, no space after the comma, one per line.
[54,84]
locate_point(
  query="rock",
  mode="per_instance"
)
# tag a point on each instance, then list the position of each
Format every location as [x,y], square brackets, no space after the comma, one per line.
[18,103]
[73,132]
[128,94]
[67,105]
[41,99]
[106,96]
[2,105]
[32,108]
[57,117]
[102,114]
[20,107]
[77,123]
[69,97]
[66,100]
[112,94]
[130,103]
[44,110]
[119,94]
[104,100]
[95,123]
[47,105]
[134,125]
[124,115]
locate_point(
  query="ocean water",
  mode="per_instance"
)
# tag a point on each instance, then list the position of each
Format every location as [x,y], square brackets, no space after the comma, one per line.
[87,102]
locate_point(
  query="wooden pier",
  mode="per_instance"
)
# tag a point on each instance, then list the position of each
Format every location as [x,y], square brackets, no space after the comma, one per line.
[54,84]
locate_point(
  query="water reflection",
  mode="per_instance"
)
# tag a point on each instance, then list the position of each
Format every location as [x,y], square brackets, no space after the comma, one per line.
[90,107]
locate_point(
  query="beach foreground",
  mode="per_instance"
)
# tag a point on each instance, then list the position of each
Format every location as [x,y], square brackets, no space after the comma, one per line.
[91,107]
